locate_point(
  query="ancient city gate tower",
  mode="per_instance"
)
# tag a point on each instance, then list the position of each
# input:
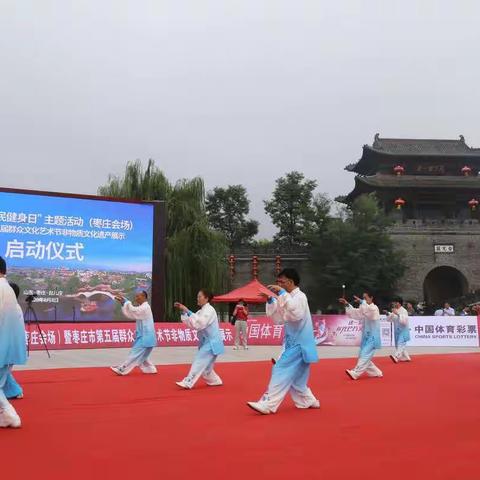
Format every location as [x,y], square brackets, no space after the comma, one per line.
[431,188]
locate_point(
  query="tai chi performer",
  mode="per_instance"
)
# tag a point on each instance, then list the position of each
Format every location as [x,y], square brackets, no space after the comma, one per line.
[145,339]
[292,369]
[13,349]
[399,317]
[369,315]
[12,389]
[210,345]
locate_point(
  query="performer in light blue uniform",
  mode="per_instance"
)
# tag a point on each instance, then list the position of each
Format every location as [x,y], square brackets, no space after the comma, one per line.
[369,315]
[205,321]
[291,371]
[12,389]
[12,345]
[399,317]
[145,338]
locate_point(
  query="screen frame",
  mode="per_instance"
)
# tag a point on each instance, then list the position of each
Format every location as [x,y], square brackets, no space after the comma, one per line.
[159,227]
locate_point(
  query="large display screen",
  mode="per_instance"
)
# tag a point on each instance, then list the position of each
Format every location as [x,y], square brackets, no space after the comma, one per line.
[75,254]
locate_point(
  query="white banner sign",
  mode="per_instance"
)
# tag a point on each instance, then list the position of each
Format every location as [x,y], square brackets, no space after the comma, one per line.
[443,331]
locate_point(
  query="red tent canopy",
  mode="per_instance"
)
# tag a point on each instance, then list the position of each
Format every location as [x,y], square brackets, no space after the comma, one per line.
[249,293]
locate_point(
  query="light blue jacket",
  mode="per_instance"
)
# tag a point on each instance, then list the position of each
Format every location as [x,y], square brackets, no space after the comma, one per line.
[13,350]
[205,321]
[369,315]
[145,327]
[292,310]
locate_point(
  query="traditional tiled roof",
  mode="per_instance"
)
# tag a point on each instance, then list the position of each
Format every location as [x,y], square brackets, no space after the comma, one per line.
[407,146]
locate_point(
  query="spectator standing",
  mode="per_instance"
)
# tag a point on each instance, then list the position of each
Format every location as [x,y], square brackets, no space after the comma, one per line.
[240,313]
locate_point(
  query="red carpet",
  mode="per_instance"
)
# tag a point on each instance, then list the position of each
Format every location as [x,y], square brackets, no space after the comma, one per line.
[422,421]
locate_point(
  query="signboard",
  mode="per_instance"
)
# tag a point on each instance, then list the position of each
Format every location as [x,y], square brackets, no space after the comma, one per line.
[75,253]
[443,331]
[329,330]
[444,249]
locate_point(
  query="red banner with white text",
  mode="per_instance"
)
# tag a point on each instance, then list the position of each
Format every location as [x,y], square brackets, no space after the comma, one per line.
[329,330]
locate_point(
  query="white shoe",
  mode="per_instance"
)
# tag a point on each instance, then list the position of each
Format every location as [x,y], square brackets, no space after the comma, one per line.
[394,358]
[218,383]
[184,385]
[9,417]
[235,348]
[315,404]
[245,348]
[150,370]
[118,371]
[375,375]
[259,407]
[352,374]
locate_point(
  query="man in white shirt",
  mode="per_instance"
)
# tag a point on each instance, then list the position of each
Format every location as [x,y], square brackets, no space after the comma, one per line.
[145,338]
[291,371]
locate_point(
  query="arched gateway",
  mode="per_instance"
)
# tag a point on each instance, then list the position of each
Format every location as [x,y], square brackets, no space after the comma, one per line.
[443,283]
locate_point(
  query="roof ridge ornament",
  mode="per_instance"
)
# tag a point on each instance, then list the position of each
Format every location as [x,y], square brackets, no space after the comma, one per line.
[376,142]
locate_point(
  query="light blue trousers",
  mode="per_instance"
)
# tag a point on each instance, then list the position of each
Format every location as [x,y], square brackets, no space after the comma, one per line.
[289,375]
[4,373]
[364,363]
[12,389]
[202,366]
[137,357]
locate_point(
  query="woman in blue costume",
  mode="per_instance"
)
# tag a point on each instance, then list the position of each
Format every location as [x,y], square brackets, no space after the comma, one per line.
[291,371]
[205,321]
[12,345]
[399,317]
[369,315]
[12,389]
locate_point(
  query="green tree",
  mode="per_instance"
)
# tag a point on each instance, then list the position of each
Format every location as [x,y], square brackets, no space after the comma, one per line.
[227,209]
[296,211]
[195,254]
[356,251]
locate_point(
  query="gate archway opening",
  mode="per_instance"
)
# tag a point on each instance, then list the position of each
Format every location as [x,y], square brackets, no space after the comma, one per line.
[443,283]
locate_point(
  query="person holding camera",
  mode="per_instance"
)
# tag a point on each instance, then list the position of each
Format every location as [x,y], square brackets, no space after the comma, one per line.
[13,349]
[240,315]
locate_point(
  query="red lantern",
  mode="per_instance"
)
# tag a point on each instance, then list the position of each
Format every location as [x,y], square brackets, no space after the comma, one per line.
[399,203]
[466,171]
[399,170]
[473,203]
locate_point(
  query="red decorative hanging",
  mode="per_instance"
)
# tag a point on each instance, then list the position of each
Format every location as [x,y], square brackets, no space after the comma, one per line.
[466,170]
[473,203]
[231,264]
[278,264]
[399,203]
[255,266]
[399,170]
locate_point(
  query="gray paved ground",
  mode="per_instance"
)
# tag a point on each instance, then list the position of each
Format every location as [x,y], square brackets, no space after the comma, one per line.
[181,355]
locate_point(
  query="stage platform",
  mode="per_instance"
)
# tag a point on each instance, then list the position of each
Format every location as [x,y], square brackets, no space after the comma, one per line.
[422,420]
